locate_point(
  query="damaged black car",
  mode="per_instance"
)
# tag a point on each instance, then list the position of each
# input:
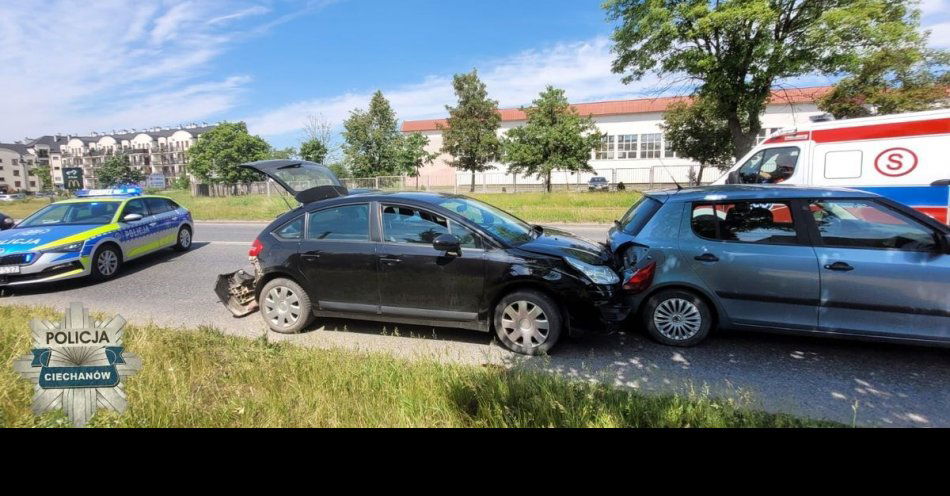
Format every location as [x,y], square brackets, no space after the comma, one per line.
[420,258]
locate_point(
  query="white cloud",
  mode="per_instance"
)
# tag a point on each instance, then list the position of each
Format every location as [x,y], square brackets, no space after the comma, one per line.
[121,63]
[582,69]
[939,35]
[928,7]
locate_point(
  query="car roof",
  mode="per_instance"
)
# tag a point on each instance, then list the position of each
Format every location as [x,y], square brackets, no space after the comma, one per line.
[109,198]
[754,192]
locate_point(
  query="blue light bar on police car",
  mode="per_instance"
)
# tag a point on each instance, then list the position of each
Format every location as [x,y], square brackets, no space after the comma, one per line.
[120,191]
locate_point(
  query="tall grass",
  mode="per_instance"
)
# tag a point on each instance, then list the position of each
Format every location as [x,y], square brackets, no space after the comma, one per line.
[200,378]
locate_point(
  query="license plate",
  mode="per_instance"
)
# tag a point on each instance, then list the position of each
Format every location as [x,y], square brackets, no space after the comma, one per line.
[9,269]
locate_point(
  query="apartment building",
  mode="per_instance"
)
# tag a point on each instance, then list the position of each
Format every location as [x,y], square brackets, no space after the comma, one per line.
[160,151]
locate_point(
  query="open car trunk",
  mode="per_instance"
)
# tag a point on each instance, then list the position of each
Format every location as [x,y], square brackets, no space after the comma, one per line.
[307,182]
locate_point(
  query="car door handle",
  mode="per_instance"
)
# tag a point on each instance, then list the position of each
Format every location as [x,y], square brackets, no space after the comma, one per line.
[152,224]
[390,260]
[706,257]
[839,266]
[311,255]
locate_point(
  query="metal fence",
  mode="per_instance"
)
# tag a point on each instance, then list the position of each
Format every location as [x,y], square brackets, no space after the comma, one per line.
[642,178]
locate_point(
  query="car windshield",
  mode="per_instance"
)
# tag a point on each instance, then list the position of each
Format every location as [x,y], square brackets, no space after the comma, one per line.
[68,214]
[503,225]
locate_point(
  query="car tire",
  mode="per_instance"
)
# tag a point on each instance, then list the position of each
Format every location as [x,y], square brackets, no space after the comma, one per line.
[285,306]
[106,262]
[183,242]
[677,317]
[528,322]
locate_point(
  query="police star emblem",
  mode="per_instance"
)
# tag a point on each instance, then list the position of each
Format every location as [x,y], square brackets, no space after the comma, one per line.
[77,365]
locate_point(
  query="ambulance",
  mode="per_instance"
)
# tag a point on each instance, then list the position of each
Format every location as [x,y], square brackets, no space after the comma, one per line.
[905,157]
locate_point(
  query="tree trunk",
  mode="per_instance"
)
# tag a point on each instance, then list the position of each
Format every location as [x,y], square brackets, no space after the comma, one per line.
[699,176]
[742,142]
[473,181]
[547,182]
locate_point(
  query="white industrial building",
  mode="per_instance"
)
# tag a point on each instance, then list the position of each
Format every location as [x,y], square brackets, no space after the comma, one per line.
[633,150]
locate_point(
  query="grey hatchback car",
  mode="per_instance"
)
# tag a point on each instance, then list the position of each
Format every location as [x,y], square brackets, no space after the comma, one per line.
[835,262]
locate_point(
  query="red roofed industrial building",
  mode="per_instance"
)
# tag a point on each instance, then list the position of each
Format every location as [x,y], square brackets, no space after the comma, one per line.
[633,150]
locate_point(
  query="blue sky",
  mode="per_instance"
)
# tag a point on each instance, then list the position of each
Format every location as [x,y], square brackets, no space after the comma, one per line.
[75,66]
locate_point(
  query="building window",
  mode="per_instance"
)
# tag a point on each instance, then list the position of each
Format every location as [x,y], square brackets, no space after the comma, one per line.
[650,145]
[606,151]
[667,150]
[16,172]
[627,146]
[32,184]
[15,161]
[16,184]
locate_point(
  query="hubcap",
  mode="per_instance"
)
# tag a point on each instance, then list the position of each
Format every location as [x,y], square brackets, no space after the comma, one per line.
[524,323]
[184,238]
[677,319]
[107,262]
[282,307]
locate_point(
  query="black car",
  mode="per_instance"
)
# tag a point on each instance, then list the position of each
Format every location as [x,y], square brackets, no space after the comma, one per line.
[419,258]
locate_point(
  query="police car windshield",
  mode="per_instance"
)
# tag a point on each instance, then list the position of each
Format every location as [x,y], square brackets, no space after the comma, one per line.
[72,214]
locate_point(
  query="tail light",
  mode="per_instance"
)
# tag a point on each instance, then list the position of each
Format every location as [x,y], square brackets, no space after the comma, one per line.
[641,278]
[256,248]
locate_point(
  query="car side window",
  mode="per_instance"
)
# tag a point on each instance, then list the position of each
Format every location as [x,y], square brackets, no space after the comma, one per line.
[135,207]
[746,222]
[869,224]
[412,225]
[157,205]
[345,223]
[468,238]
[290,231]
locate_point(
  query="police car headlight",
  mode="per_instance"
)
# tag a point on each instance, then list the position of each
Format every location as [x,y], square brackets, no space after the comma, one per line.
[69,248]
[598,274]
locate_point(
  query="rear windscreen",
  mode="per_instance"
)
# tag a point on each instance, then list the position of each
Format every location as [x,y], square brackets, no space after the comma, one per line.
[638,215]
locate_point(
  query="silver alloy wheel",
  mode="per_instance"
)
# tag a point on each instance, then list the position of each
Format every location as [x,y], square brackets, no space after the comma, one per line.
[282,307]
[525,323]
[184,238]
[677,319]
[107,262]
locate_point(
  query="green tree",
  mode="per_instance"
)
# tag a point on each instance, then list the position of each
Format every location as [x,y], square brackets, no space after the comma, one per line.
[282,153]
[736,50]
[313,150]
[695,131]
[215,157]
[372,139]
[890,81]
[554,137]
[117,170]
[471,137]
[412,154]
[45,177]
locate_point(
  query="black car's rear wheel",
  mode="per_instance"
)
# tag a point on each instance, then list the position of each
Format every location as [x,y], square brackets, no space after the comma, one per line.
[528,322]
[285,306]
[677,318]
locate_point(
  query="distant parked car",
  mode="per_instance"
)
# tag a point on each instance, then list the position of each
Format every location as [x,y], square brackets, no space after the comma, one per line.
[12,197]
[598,183]
[825,261]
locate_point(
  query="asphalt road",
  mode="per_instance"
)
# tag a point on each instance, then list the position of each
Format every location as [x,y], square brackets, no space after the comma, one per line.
[878,384]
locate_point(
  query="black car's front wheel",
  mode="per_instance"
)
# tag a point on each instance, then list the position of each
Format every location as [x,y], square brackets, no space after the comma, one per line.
[528,322]
[285,306]
[677,318]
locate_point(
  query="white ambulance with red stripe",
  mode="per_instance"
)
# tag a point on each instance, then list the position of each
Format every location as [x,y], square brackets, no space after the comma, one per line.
[905,157]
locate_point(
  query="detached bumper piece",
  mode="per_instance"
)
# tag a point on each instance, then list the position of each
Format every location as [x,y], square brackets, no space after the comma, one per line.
[237,291]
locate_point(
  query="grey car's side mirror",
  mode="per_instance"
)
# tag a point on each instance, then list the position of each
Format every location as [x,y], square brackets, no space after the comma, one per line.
[132,218]
[945,241]
[448,243]
[6,223]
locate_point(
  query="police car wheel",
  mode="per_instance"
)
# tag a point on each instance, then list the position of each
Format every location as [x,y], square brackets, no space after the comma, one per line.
[106,263]
[285,306]
[184,239]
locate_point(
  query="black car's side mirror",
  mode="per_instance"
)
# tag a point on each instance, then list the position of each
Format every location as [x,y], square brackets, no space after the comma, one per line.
[448,243]
[6,223]
[944,242]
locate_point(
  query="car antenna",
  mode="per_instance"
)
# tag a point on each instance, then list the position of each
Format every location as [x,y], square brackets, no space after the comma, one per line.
[678,187]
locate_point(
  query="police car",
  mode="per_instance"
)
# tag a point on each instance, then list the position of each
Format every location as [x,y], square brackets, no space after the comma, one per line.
[91,235]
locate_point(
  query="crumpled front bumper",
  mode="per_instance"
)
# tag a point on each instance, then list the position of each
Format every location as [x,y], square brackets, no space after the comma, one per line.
[238,290]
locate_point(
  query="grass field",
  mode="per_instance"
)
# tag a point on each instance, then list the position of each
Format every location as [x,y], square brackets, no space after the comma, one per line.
[200,378]
[595,208]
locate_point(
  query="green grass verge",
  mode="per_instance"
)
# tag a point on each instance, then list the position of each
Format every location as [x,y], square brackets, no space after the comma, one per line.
[200,378]
[594,208]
